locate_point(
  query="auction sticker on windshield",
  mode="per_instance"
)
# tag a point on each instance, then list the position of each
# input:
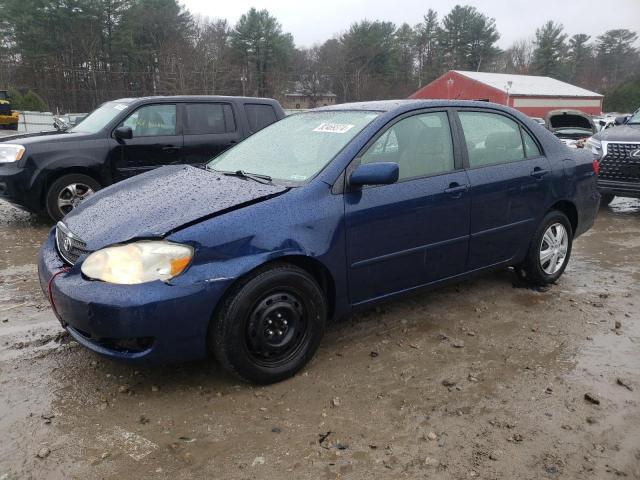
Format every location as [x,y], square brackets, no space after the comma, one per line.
[333,127]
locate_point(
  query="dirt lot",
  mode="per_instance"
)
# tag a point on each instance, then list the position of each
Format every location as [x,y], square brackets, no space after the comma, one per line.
[480,380]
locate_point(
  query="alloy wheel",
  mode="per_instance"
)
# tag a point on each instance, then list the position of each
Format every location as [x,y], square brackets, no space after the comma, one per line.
[554,248]
[72,195]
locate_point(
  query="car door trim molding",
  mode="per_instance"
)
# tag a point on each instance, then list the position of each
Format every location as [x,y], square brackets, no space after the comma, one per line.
[433,283]
[409,251]
[502,227]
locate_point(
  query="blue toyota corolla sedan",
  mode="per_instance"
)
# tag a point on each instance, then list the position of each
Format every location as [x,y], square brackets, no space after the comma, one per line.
[312,217]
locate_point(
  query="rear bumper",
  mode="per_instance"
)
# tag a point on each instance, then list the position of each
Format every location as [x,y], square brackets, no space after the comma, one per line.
[152,323]
[587,212]
[622,189]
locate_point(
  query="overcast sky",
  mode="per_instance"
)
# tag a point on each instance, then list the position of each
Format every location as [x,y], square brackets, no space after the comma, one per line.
[313,22]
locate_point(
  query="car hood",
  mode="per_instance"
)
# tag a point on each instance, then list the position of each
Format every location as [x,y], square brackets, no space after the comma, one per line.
[563,119]
[622,133]
[157,203]
[48,136]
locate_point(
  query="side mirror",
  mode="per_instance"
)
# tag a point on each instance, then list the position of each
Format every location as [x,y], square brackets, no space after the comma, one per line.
[123,133]
[383,173]
[621,120]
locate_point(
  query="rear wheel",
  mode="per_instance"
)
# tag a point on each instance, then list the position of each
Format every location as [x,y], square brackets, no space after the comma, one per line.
[270,325]
[550,249]
[67,192]
[606,199]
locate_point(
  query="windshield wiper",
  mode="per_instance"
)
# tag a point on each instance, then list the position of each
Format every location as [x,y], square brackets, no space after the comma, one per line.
[256,177]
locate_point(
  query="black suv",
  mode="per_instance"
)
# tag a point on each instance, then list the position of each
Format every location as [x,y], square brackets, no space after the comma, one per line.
[51,172]
[619,151]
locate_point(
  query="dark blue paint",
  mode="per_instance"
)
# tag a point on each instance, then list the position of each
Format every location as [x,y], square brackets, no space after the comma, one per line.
[381,173]
[374,243]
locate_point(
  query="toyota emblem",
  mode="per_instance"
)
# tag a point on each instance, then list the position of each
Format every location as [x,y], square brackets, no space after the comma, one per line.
[67,244]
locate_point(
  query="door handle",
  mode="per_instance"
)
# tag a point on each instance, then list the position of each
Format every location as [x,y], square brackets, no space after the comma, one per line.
[539,172]
[456,188]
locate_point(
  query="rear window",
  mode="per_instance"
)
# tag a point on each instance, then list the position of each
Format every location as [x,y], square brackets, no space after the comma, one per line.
[259,116]
[208,118]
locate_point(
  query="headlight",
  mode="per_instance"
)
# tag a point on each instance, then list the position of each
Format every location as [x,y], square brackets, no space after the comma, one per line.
[595,146]
[10,152]
[138,262]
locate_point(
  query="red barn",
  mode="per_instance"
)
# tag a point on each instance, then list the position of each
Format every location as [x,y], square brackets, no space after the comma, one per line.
[533,96]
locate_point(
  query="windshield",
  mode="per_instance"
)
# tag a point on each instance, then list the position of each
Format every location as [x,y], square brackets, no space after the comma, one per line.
[96,120]
[296,148]
[635,118]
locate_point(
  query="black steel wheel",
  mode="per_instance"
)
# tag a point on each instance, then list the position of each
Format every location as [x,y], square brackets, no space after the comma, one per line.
[270,325]
[276,328]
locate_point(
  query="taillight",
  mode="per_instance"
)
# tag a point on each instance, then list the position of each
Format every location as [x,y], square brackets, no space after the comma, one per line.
[596,166]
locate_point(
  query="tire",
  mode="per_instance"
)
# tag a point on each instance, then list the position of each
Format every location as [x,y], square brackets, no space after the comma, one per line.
[606,199]
[270,325]
[538,272]
[13,127]
[61,191]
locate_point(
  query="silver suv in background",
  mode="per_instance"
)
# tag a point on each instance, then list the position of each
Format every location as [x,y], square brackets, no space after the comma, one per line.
[618,149]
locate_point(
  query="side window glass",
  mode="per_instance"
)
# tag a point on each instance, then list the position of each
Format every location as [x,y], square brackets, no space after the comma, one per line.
[259,116]
[208,118]
[421,145]
[152,120]
[491,138]
[387,143]
[530,147]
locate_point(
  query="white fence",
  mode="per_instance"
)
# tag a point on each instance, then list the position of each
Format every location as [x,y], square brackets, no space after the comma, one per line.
[33,122]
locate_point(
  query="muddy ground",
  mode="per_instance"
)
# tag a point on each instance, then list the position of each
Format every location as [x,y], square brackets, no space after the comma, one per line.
[480,380]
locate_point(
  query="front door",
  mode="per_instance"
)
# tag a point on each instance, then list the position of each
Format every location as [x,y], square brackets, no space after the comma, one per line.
[156,141]
[209,129]
[509,186]
[413,232]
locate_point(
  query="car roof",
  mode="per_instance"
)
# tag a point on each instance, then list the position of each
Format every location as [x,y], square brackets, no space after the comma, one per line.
[405,105]
[194,98]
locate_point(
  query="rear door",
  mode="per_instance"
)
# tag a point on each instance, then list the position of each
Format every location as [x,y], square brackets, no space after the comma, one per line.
[209,129]
[413,232]
[157,141]
[510,182]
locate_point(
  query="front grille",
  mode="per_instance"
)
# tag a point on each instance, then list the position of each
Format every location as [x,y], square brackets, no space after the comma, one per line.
[619,165]
[5,109]
[70,247]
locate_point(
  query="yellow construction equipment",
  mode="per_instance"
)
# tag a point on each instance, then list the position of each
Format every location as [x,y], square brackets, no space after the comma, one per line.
[8,118]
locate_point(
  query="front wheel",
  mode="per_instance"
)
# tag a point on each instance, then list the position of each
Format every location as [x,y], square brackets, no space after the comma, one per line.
[550,249]
[67,192]
[270,325]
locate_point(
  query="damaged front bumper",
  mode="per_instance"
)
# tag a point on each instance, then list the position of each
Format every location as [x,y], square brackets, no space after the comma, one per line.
[151,322]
